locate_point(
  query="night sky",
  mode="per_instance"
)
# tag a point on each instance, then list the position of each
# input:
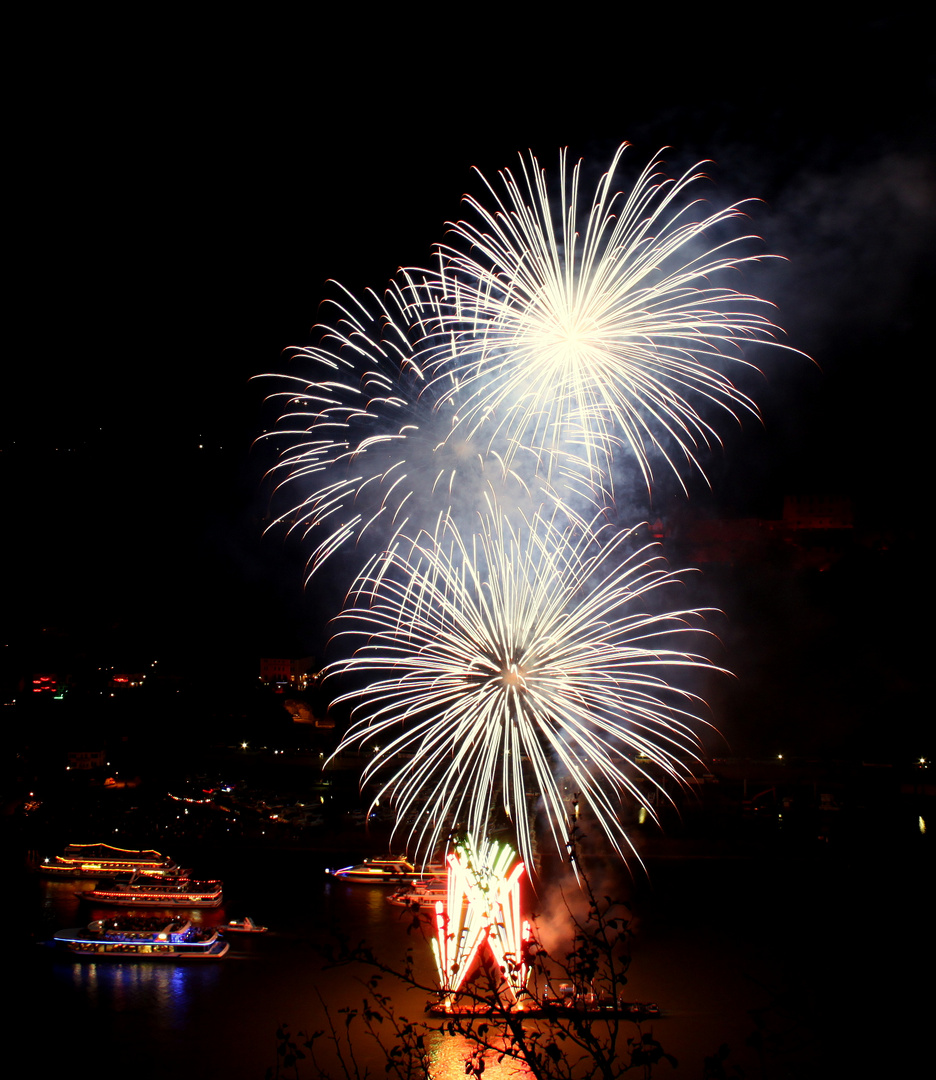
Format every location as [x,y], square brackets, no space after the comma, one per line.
[182,198]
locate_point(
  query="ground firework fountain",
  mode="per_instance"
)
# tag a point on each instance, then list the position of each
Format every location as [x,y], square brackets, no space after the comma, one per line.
[482,912]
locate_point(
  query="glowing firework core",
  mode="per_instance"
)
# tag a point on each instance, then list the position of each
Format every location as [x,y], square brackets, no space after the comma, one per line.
[514,676]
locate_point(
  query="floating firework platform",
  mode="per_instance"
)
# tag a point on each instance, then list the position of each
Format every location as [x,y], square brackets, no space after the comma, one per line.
[624,1010]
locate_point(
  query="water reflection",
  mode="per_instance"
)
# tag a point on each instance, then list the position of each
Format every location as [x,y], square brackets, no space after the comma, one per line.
[449,1053]
[714,933]
[164,990]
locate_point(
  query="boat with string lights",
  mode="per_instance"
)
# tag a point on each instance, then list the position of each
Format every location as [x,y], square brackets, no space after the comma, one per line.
[168,892]
[421,894]
[105,860]
[389,870]
[143,939]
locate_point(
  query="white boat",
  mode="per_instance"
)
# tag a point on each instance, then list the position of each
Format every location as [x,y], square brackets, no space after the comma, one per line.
[105,860]
[390,870]
[143,939]
[423,894]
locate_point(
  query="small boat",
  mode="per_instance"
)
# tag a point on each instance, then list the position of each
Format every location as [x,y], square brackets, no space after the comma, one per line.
[143,939]
[144,891]
[105,860]
[242,926]
[390,870]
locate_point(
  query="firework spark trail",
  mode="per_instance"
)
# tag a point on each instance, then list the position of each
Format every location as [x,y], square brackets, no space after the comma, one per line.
[497,661]
[599,337]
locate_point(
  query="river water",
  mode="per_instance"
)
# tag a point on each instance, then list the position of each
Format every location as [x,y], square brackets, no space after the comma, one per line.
[798,965]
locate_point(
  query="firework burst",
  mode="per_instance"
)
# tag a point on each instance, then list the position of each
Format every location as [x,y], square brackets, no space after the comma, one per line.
[520,659]
[595,330]
[524,660]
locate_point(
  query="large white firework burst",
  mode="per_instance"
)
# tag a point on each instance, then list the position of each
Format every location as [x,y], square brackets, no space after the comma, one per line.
[547,339]
[519,659]
[595,321]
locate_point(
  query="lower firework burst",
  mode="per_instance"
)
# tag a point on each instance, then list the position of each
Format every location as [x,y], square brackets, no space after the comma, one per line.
[519,659]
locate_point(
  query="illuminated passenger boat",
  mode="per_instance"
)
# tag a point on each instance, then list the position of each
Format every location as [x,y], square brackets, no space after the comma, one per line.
[387,871]
[422,893]
[143,891]
[143,939]
[103,860]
